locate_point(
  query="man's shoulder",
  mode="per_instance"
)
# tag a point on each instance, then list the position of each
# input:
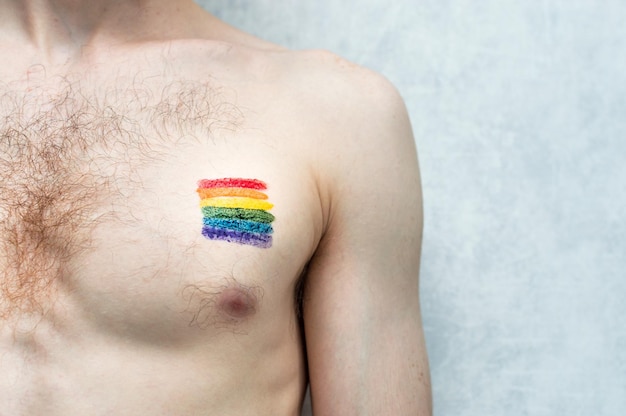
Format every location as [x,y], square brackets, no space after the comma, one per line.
[335,81]
[356,103]
[313,75]
[359,118]
[317,78]
[329,100]
[312,86]
[345,97]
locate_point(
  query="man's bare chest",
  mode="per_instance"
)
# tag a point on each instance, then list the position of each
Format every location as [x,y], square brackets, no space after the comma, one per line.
[101,213]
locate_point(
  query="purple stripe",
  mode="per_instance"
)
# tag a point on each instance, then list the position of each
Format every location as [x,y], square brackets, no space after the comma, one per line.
[234,236]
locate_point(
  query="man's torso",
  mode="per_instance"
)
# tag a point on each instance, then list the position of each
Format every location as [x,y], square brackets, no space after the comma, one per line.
[113,301]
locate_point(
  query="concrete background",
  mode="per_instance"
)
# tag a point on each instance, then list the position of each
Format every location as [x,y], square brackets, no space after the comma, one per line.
[519,113]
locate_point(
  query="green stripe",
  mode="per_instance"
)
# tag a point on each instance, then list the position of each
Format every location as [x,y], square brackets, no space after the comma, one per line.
[257,215]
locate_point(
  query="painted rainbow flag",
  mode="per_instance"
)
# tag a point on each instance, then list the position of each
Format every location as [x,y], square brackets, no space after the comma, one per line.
[236,210]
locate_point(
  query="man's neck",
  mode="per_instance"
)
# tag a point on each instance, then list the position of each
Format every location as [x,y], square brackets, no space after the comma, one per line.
[60,29]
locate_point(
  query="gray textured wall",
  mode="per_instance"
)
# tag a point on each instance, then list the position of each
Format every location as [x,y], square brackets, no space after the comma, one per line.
[519,112]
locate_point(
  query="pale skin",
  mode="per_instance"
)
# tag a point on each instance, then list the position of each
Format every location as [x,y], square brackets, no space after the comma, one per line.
[114,303]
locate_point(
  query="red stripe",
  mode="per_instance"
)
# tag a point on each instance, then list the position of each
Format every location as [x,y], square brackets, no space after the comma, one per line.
[232,183]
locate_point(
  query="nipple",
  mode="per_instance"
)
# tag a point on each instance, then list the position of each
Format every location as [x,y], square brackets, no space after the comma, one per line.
[238,302]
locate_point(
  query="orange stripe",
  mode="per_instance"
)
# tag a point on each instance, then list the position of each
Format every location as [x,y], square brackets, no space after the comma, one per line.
[245,192]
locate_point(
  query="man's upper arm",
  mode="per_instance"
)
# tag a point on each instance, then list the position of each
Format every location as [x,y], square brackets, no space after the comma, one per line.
[365,344]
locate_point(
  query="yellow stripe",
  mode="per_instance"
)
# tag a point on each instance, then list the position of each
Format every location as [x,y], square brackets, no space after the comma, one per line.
[236,202]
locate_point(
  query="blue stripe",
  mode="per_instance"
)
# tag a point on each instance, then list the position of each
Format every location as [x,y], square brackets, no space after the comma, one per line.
[239,225]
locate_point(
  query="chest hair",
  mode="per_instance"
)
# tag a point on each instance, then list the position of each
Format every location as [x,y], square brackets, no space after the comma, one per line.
[65,149]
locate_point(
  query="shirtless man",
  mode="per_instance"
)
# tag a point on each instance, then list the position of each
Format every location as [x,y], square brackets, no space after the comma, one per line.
[196,222]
